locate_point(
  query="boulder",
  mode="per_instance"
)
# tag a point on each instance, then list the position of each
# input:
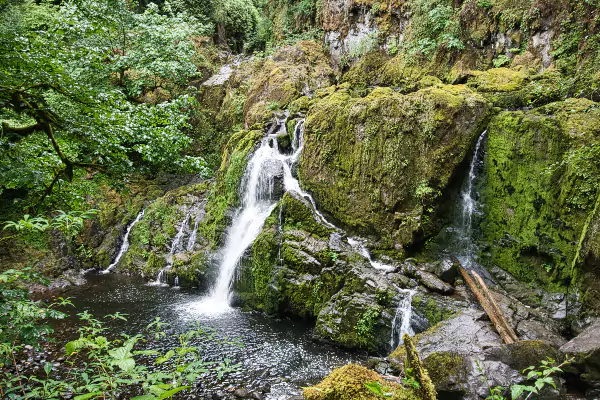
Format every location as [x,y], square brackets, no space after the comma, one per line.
[585,350]
[365,163]
[464,354]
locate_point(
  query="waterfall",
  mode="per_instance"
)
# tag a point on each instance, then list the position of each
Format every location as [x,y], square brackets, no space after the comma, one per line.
[194,235]
[176,247]
[125,244]
[359,246]
[257,203]
[467,249]
[401,321]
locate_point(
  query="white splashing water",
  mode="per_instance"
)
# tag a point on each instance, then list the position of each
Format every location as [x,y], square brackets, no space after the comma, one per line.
[466,244]
[125,244]
[262,171]
[359,246]
[401,321]
[194,235]
[176,247]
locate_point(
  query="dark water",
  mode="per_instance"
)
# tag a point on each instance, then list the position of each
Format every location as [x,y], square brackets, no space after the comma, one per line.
[277,357]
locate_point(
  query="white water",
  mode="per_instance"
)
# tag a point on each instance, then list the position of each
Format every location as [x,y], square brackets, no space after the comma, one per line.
[125,244]
[467,247]
[176,247]
[264,167]
[401,321]
[359,246]
[197,219]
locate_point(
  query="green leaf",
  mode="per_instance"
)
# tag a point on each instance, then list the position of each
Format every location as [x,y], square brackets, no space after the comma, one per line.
[88,396]
[126,365]
[516,391]
[47,368]
[173,391]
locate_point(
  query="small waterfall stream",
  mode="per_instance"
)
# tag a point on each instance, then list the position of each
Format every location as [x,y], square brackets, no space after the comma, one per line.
[401,321]
[467,248]
[258,183]
[125,244]
[176,247]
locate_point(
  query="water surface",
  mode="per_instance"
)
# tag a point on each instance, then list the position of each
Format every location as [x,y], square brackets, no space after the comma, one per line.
[278,355]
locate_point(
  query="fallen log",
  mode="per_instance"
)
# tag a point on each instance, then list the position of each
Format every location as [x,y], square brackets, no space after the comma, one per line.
[487,307]
[495,306]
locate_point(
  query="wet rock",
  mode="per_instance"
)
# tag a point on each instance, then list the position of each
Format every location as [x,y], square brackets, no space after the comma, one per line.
[219,394]
[533,330]
[241,393]
[585,349]
[258,396]
[433,283]
[462,352]
[445,269]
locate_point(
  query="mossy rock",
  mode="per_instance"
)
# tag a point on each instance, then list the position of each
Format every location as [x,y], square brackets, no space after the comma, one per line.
[498,80]
[379,165]
[348,383]
[283,77]
[540,188]
[446,369]
[366,71]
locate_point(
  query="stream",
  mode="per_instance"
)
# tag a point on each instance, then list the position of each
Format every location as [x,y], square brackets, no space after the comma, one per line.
[278,356]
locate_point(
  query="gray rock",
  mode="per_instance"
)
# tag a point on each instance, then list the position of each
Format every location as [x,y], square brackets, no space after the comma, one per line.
[446,270]
[585,349]
[241,393]
[433,283]
[463,352]
[258,396]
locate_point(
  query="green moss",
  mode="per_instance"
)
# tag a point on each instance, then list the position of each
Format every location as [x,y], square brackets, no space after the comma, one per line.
[348,383]
[431,310]
[498,80]
[364,158]
[426,389]
[364,326]
[445,368]
[540,188]
[366,71]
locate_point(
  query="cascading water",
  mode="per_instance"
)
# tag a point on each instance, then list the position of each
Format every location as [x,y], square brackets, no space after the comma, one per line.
[401,321]
[199,216]
[359,246]
[176,247]
[257,203]
[467,248]
[125,244]
[258,183]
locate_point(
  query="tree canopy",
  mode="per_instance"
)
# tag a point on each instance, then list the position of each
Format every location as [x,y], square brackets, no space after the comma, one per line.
[72,81]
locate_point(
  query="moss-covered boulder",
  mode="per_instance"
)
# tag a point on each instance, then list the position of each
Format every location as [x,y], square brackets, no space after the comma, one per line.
[464,354]
[379,165]
[512,88]
[540,186]
[349,383]
[284,77]
[179,211]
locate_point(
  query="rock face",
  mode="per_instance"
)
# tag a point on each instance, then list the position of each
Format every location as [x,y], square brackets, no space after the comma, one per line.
[180,211]
[536,194]
[585,349]
[462,352]
[377,164]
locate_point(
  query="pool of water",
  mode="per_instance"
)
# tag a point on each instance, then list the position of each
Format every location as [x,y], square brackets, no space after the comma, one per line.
[278,356]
